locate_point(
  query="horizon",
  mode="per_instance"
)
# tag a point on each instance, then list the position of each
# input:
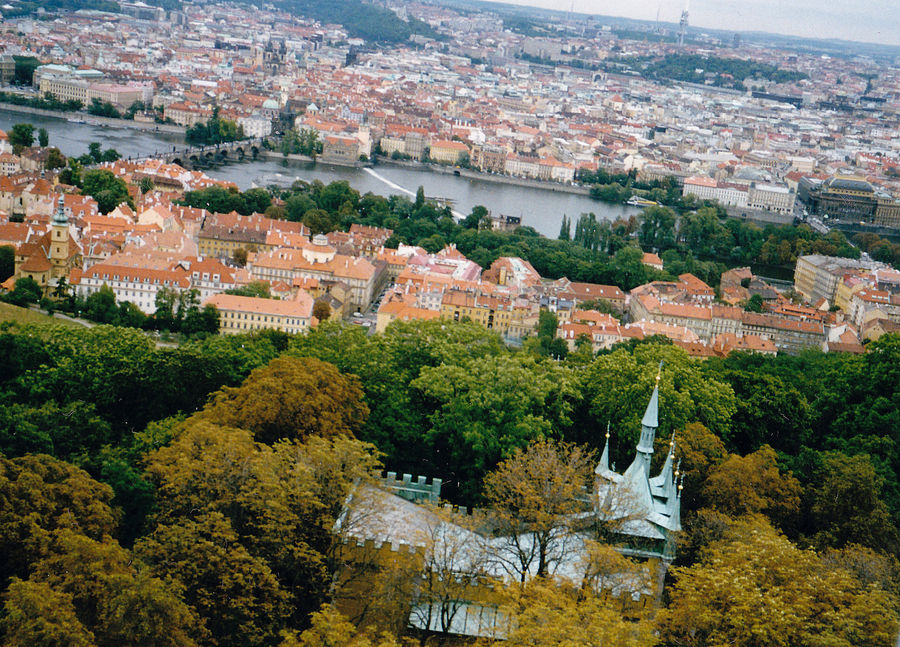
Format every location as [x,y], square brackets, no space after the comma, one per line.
[865,21]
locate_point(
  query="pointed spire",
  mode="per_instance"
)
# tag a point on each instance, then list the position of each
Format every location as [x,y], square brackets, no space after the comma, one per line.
[648,427]
[651,415]
[604,458]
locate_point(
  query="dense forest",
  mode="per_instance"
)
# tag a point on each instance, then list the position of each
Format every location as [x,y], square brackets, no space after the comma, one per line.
[186,495]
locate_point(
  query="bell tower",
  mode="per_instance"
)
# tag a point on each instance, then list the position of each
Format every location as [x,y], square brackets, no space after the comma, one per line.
[59,241]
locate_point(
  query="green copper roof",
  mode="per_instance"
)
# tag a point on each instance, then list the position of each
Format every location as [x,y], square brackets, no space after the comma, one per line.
[59,217]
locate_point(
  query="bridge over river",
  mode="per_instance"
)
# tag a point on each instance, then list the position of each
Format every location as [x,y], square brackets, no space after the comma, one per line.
[195,157]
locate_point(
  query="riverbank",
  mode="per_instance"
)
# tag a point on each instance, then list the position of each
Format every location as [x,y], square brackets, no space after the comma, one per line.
[481,176]
[103,121]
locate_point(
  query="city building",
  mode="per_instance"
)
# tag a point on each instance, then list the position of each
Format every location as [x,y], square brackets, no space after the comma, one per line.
[239,314]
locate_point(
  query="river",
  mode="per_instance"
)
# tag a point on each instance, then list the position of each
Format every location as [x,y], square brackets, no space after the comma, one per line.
[542,209]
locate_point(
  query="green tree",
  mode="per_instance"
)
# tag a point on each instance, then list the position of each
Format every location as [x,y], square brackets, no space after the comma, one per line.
[102,108]
[258,289]
[166,302]
[24,69]
[95,151]
[769,410]
[71,175]
[134,108]
[7,262]
[108,190]
[318,221]
[846,505]
[484,409]
[257,200]
[128,315]
[21,136]
[26,290]
[476,217]
[754,304]
[43,138]
[55,159]
[201,321]
[63,431]
[101,307]
[657,228]
[617,387]
[297,205]
[146,185]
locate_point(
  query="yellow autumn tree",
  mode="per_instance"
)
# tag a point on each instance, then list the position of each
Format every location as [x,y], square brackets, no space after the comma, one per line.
[533,497]
[291,397]
[544,613]
[328,628]
[753,484]
[756,588]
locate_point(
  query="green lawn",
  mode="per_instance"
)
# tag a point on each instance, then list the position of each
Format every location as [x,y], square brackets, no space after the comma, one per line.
[22,315]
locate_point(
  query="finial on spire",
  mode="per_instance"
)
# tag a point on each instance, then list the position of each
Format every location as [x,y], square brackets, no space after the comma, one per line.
[659,371]
[607,429]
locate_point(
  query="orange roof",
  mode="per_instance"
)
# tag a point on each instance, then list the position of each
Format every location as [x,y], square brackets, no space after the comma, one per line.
[300,306]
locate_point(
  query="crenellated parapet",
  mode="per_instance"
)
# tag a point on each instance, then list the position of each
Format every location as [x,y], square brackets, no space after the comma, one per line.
[417,491]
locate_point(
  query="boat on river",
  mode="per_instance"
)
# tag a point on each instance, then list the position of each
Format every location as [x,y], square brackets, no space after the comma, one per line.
[637,201]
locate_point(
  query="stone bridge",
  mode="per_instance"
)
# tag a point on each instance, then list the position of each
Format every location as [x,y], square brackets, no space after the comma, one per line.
[193,157]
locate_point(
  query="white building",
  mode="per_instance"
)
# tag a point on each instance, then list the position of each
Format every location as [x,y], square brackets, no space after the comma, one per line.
[135,284]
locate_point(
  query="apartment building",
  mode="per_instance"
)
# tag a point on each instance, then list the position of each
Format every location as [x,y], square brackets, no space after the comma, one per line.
[817,277]
[320,261]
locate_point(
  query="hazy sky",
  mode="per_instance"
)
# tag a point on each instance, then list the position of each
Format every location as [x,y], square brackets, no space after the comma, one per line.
[874,21]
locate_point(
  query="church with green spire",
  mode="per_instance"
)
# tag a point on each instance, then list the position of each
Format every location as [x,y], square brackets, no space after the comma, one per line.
[643,512]
[50,256]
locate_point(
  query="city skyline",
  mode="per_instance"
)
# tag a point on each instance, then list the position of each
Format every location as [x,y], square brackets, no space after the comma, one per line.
[870,21]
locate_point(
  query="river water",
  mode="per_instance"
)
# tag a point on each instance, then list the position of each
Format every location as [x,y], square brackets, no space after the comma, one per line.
[542,209]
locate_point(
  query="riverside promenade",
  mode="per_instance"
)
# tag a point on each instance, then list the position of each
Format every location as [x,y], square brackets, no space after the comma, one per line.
[83,116]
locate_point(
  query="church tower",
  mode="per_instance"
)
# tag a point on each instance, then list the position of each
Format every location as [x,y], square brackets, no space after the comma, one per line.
[59,241]
[644,510]
[649,425]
